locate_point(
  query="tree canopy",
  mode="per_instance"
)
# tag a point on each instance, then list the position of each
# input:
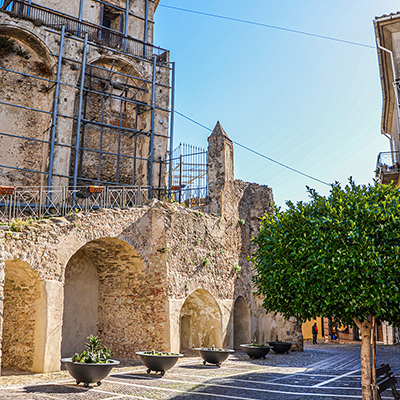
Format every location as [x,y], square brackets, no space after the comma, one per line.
[335,256]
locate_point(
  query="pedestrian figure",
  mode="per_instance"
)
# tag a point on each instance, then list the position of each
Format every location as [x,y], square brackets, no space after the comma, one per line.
[314,333]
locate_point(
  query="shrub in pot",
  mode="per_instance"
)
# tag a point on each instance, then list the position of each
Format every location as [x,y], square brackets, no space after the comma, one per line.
[280,347]
[214,355]
[255,350]
[92,365]
[158,361]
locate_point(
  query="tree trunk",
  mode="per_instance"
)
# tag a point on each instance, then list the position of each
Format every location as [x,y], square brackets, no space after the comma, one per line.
[374,387]
[365,328]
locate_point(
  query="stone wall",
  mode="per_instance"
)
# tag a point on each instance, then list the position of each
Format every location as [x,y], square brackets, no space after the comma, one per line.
[148,260]
[23,299]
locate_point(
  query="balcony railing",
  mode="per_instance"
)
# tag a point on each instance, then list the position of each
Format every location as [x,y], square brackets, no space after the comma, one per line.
[38,202]
[100,35]
[388,167]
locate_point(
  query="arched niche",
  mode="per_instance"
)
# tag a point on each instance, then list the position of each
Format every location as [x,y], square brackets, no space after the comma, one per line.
[29,56]
[117,96]
[241,322]
[200,321]
[24,318]
[106,294]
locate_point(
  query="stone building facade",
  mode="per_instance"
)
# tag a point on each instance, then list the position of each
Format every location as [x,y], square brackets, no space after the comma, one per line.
[87,103]
[387,34]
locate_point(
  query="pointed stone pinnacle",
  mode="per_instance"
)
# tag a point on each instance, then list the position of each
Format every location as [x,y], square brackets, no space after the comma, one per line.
[219,131]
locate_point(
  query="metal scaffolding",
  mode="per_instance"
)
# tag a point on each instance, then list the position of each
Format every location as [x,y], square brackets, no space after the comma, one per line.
[106,122]
[111,85]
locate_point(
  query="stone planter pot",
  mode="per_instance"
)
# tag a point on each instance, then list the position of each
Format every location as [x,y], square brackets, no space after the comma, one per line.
[255,351]
[88,373]
[281,347]
[214,356]
[158,363]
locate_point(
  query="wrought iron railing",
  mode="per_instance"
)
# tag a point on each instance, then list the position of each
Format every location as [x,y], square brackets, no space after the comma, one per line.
[38,202]
[388,161]
[40,15]
[189,175]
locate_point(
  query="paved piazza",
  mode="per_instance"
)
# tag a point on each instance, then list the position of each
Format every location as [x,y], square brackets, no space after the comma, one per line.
[324,371]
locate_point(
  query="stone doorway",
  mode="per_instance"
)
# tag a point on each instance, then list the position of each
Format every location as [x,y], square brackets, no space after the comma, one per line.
[200,321]
[241,323]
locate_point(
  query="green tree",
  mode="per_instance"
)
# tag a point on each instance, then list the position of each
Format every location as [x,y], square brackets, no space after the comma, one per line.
[334,256]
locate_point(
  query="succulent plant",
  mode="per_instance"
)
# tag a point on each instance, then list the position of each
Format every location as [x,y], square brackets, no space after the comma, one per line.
[94,353]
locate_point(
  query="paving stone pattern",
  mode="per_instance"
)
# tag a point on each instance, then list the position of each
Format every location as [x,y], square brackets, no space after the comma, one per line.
[324,371]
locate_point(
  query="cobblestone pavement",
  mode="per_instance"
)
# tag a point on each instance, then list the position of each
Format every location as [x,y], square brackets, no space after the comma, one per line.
[323,371]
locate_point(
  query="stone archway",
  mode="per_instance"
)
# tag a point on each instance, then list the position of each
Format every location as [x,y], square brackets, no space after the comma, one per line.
[110,292]
[24,318]
[241,322]
[200,321]
[25,143]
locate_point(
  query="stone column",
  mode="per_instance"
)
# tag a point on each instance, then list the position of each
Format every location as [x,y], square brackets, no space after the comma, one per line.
[220,169]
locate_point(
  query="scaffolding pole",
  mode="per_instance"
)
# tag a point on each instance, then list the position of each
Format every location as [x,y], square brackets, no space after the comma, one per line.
[80,17]
[126,23]
[153,100]
[79,122]
[171,129]
[146,20]
[55,108]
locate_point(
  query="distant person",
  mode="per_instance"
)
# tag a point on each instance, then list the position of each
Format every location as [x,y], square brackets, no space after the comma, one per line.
[314,331]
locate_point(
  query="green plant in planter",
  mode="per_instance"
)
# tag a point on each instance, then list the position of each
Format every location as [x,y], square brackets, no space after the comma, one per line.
[254,343]
[94,353]
[160,353]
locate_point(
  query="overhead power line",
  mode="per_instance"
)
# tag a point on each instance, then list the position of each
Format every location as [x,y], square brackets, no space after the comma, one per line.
[244,21]
[256,152]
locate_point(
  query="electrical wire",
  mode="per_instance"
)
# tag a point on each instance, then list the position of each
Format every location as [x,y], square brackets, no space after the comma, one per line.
[244,21]
[256,152]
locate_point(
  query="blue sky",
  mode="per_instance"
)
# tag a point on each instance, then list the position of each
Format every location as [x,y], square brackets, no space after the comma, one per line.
[310,103]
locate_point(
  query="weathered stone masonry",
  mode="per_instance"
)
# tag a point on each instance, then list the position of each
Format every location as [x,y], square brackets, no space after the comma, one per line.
[152,277]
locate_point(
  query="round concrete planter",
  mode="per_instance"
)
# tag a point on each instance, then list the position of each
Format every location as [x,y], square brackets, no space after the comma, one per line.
[158,363]
[280,347]
[89,373]
[255,351]
[214,356]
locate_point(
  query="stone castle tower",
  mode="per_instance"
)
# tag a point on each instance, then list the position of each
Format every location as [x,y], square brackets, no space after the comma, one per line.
[85,96]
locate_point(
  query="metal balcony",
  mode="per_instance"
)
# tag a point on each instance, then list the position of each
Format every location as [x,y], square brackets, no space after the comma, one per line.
[388,167]
[97,34]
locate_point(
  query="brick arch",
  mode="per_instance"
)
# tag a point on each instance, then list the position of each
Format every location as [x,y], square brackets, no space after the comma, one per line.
[200,321]
[111,292]
[31,40]
[24,318]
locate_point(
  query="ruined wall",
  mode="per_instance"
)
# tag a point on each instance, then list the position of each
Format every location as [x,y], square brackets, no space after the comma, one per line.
[241,204]
[149,260]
